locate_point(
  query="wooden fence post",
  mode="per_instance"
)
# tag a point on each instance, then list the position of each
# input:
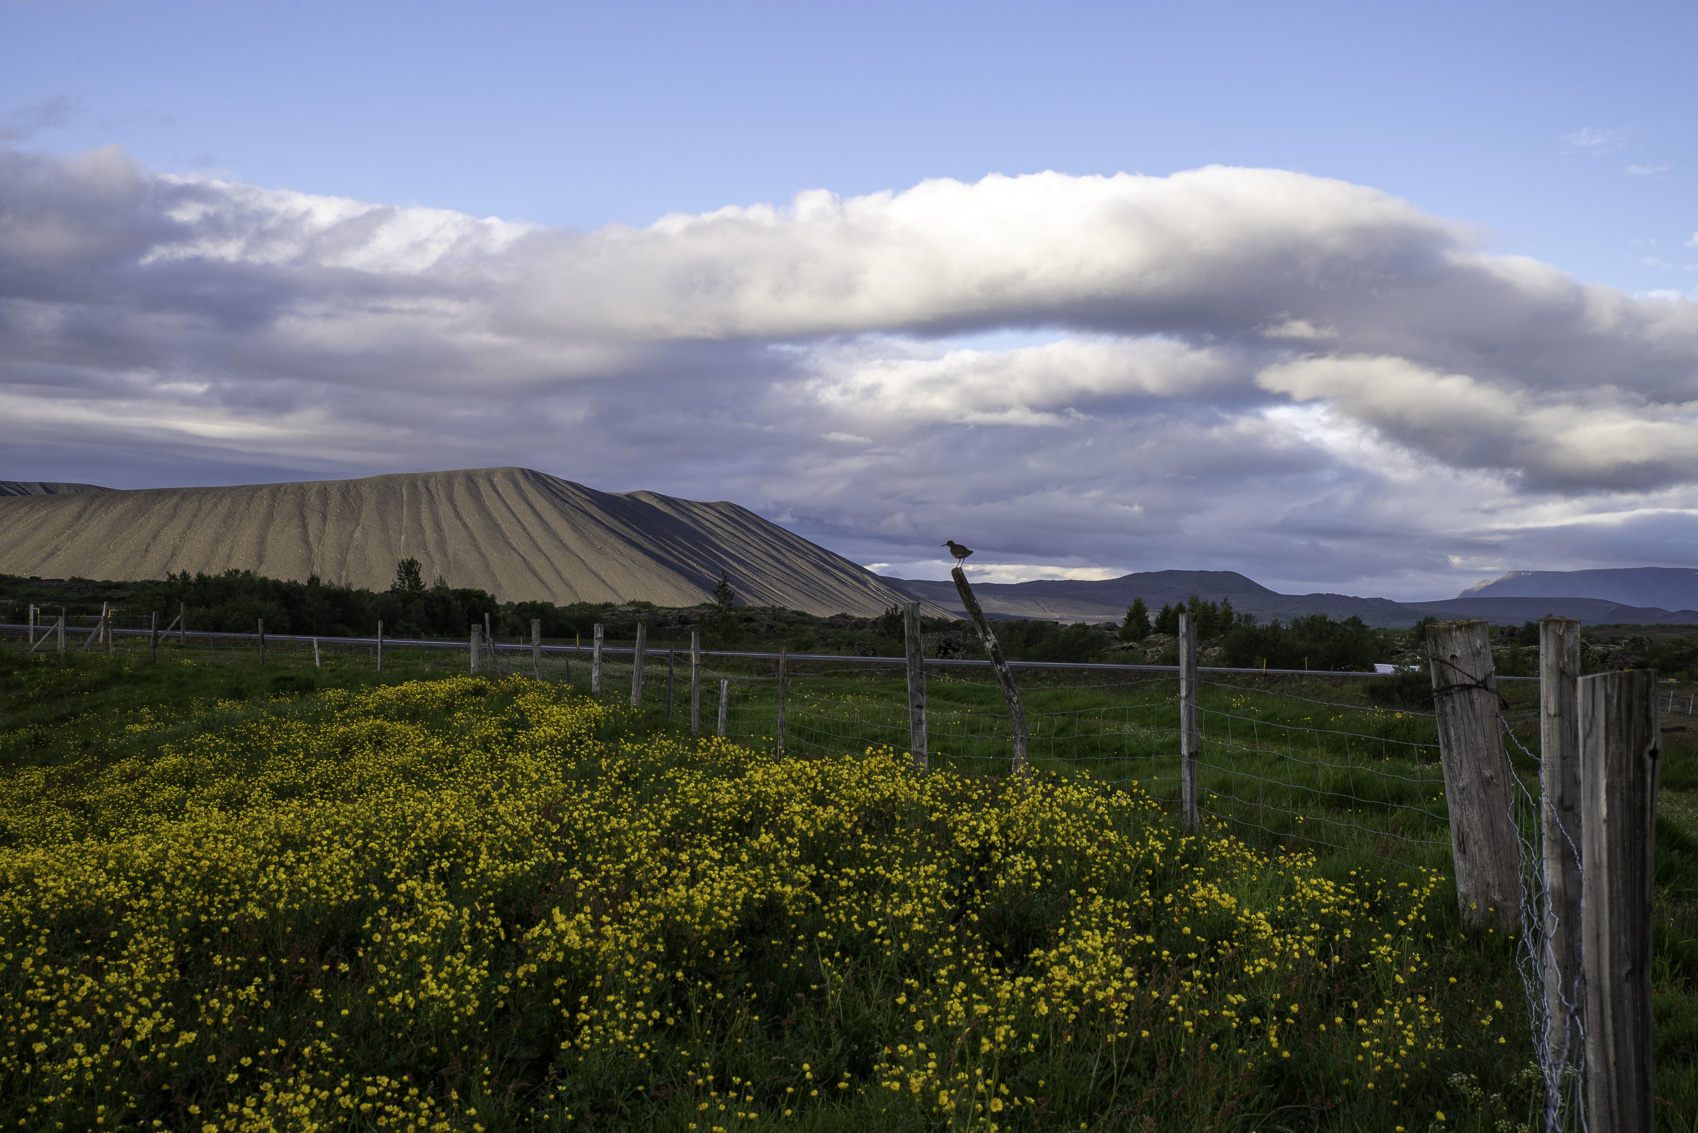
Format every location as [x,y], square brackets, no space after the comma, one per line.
[61,629]
[106,626]
[916,685]
[1190,736]
[32,627]
[1620,758]
[695,682]
[153,638]
[476,647]
[182,625]
[316,663]
[671,659]
[262,641]
[380,645]
[782,690]
[1559,817]
[595,662]
[1016,711]
[536,648]
[1476,775]
[724,697]
[637,665]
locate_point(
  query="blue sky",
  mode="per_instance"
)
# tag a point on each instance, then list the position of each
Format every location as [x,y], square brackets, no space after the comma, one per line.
[1559,133]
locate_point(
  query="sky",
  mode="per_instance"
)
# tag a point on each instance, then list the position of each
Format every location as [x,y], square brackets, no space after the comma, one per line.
[1371,299]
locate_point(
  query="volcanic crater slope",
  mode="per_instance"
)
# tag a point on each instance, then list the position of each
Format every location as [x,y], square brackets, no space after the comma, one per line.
[520,534]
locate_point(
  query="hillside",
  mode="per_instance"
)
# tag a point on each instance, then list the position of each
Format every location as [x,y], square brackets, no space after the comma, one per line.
[44,488]
[1671,588]
[516,533]
[1075,601]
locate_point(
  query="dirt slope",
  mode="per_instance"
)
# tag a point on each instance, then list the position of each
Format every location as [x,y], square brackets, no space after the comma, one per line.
[517,533]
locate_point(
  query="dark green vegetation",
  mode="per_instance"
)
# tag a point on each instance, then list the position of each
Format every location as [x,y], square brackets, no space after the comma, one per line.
[73,715]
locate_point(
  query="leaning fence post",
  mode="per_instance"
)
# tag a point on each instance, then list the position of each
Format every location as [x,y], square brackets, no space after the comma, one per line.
[1619,761]
[1016,711]
[536,648]
[380,645]
[916,684]
[695,682]
[1559,816]
[724,697]
[475,649]
[782,690]
[595,662]
[262,641]
[637,665]
[1190,736]
[1476,775]
[153,637]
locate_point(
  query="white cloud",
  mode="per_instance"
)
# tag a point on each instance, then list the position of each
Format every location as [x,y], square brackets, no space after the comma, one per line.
[1590,139]
[1644,170]
[1249,369]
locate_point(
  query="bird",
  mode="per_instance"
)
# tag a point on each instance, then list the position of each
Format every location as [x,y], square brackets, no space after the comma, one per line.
[957,550]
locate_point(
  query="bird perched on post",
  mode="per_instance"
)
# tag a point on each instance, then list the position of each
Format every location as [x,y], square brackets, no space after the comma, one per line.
[957,550]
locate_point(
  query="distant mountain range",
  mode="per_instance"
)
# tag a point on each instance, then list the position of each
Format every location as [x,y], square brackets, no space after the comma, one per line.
[1593,597]
[519,534]
[525,535]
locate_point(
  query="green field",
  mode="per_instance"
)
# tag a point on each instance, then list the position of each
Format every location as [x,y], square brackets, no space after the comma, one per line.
[296,897]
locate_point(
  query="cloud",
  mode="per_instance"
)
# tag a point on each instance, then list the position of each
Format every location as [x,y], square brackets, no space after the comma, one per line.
[1589,139]
[1242,368]
[27,121]
[1644,170]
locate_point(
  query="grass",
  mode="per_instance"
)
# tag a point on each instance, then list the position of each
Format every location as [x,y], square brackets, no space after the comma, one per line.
[487,904]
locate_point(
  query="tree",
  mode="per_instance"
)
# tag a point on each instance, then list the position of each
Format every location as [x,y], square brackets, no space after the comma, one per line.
[723,596]
[1167,621]
[409,577]
[1136,627]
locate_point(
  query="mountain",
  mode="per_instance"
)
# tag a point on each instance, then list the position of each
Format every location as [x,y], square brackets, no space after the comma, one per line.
[1672,588]
[519,534]
[44,488]
[1075,601]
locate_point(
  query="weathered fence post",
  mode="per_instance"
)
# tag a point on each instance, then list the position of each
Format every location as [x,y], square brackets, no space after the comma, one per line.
[695,682]
[671,659]
[1559,817]
[32,627]
[475,648]
[1620,757]
[61,629]
[1016,712]
[262,641]
[153,638]
[595,662]
[724,698]
[182,625]
[316,663]
[637,665]
[1476,775]
[380,645]
[916,685]
[783,689]
[536,648]
[1190,736]
[106,626]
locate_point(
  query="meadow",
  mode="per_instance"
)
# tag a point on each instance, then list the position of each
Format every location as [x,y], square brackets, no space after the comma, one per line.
[235,898]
